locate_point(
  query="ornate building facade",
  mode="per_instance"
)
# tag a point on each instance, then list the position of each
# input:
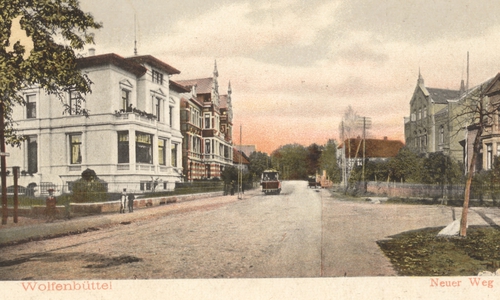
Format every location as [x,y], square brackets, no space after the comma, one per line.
[131,136]
[207,126]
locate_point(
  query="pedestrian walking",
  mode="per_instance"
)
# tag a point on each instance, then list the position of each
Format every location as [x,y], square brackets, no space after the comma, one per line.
[123,201]
[131,198]
[50,206]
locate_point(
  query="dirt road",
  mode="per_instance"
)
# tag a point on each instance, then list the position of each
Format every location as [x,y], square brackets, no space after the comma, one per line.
[301,233]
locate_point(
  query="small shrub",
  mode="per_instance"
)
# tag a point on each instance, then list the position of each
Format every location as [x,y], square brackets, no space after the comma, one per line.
[89,188]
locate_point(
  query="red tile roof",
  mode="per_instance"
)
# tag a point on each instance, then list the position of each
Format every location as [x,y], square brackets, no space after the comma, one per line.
[179,87]
[374,148]
[236,157]
[203,85]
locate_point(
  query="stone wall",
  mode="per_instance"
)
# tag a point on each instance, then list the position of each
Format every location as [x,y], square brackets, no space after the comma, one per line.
[405,190]
[85,209]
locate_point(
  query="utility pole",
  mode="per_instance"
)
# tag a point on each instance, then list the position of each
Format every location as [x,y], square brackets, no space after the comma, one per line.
[240,175]
[344,166]
[15,172]
[364,148]
[3,162]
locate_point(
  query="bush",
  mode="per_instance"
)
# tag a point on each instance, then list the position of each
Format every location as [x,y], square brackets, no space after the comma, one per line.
[89,188]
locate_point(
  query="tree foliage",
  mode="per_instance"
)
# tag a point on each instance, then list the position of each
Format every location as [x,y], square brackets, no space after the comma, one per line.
[439,168]
[56,28]
[328,161]
[349,127]
[259,161]
[291,161]
[406,166]
[313,155]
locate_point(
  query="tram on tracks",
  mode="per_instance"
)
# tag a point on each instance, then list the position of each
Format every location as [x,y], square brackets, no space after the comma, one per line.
[270,182]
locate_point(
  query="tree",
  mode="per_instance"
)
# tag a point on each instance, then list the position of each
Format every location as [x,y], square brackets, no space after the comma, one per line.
[291,161]
[440,168]
[476,112]
[328,161]
[350,127]
[230,178]
[259,161]
[406,166]
[55,28]
[313,156]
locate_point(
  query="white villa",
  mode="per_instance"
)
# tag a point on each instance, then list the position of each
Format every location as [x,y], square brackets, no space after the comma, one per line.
[131,138]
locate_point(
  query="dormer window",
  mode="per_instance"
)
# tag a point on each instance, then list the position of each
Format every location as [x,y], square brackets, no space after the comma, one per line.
[157,77]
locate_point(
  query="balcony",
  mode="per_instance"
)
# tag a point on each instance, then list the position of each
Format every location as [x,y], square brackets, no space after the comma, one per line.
[136,116]
[217,158]
[192,154]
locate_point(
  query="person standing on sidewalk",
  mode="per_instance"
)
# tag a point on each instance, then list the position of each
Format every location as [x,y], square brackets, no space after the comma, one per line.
[50,206]
[131,203]
[123,201]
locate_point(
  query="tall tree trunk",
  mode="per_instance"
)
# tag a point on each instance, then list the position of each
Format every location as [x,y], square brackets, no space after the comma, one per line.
[468,183]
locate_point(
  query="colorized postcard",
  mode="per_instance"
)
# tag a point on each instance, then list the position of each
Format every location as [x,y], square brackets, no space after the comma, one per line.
[249,149]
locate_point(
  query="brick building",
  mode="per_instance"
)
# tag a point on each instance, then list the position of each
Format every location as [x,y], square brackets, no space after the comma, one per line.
[207,127]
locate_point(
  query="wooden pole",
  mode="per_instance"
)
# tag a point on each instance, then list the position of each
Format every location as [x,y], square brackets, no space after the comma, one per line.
[3,165]
[15,172]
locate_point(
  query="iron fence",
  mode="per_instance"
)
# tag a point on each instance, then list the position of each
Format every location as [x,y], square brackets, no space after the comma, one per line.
[479,190]
[36,195]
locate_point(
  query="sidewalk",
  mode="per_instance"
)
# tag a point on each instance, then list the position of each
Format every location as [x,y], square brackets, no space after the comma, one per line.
[33,229]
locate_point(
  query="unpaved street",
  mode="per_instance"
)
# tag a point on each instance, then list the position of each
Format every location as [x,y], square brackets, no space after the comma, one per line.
[301,233]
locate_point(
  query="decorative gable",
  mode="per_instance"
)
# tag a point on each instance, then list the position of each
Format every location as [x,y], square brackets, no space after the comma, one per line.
[160,92]
[126,83]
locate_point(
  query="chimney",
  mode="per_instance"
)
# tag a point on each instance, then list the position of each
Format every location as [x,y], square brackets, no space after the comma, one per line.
[91,51]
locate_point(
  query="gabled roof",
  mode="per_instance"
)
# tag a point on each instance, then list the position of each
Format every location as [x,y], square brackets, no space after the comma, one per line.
[178,87]
[111,59]
[203,85]
[441,96]
[237,155]
[493,87]
[154,62]
[375,148]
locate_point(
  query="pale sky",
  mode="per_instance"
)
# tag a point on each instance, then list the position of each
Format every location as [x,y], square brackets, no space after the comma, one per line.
[296,65]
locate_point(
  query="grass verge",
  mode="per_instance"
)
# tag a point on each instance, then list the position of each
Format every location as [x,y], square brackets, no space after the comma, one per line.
[422,253]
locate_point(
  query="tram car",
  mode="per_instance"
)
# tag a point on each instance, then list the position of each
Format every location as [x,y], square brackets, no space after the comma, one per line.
[270,182]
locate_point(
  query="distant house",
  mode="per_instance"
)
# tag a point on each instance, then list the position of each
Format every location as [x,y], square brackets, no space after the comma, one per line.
[350,153]
[240,160]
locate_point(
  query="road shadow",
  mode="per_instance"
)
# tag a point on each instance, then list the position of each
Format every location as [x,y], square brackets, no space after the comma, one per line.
[487,219]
